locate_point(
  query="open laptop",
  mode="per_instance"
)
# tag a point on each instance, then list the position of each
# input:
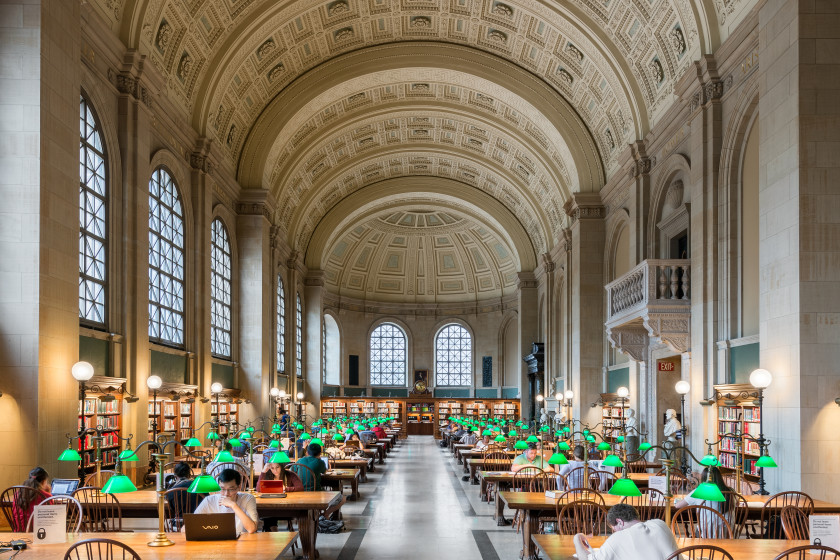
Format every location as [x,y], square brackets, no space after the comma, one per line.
[272,489]
[64,486]
[210,526]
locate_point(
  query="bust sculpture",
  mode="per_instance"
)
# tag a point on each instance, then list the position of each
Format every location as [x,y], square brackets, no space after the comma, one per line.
[543,416]
[630,422]
[672,425]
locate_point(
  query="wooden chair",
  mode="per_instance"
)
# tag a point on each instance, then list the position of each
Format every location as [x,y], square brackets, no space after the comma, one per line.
[10,502]
[580,494]
[700,522]
[178,502]
[523,477]
[769,525]
[736,512]
[98,479]
[648,505]
[575,478]
[747,488]
[544,481]
[74,512]
[809,552]
[495,461]
[243,473]
[101,512]
[100,549]
[304,474]
[169,478]
[601,480]
[582,516]
[795,524]
[680,484]
[700,552]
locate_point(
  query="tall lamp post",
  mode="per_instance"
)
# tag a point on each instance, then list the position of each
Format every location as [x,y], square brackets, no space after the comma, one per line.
[623,393]
[153,382]
[81,372]
[300,406]
[274,392]
[761,379]
[569,396]
[216,389]
[682,388]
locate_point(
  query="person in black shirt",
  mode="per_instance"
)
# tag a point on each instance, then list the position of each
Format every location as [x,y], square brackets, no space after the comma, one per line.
[183,479]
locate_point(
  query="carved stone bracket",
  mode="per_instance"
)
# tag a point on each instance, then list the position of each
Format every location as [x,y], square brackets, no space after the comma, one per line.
[201,162]
[631,339]
[129,85]
[314,278]
[585,207]
[255,209]
[711,91]
[642,166]
[670,328]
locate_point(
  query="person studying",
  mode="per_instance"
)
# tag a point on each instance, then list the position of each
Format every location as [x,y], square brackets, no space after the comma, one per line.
[230,499]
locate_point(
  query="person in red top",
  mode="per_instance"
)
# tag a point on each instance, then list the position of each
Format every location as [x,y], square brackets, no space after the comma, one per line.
[380,432]
[22,508]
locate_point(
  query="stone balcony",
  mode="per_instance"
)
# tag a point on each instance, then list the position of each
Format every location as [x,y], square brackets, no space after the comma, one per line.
[651,302]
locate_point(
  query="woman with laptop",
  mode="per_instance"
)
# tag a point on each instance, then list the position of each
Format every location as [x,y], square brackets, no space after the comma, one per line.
[230,499]
[22,508]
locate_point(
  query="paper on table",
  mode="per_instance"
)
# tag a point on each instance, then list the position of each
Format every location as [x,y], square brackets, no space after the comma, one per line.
[259,463]
[825,529]
[658,483]
[49,524]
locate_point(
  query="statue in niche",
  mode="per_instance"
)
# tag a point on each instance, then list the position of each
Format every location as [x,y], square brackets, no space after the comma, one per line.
[559,416]
[673,432]
[631,431]
[543,416]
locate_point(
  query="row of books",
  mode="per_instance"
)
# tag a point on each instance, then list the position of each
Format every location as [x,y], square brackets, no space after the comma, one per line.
[107,422]
[108,458]
[748,413]
[95,406]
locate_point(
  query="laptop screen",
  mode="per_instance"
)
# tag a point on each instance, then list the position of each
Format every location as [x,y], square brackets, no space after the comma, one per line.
[64,486]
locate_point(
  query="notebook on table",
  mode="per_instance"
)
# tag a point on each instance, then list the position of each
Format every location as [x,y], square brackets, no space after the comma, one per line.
[210,526]
[64,486]
[272,489]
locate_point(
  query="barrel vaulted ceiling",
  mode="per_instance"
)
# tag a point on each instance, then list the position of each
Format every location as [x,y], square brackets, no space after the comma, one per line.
[505,106]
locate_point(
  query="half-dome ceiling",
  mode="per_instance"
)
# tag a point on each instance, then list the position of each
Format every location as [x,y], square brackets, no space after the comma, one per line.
[421,255]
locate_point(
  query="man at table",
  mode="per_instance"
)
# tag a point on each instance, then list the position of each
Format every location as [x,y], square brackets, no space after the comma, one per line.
[468,438]
[531,458]
[574,479]
[230,499]
[632,539]
[315,464]
[379,431]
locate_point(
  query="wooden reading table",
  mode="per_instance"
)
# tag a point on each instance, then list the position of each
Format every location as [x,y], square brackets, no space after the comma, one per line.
[364,465]
[256,546]
[533,504]
[334,478]
[305,507]
[561,547]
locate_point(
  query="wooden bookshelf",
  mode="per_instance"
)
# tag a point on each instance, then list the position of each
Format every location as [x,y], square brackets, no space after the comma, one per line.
[100,410]
[738,416]
[613,413]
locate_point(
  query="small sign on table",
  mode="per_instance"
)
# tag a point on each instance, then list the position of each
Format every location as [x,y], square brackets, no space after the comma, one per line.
[49,524]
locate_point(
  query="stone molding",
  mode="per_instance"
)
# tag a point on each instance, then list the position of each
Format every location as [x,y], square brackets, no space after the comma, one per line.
[201,162]
[642,166]
[585,207]
[496,305]
[710,91]
[129,85]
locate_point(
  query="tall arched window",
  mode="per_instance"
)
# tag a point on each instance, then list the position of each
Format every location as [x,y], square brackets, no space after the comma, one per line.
[299,337]
[453,356]
[332,351]
[166,260]
[388,355]
[221,276]
[281,326]
[93,219]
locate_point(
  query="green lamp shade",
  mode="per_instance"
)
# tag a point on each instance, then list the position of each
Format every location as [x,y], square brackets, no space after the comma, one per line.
[766,461]
[558,434]
[280,457]
[620,439]
[645,446]
[603,446]
[500,438]
[567,429]
[130,455]
[275,427]
[533,439]
[563,446]
[545,428]
[193,442]
[708,491]
[625,487]
[612,461]
[204,484]
[251,429]
[709,461]
[245,435]
[487,433]
[318,441]
[213,436]
[590,439]
[234,442]
[304,436]
[118,484]
[512,433]
[586,432]
[298,426]
[69,455]
[275,444]
[520,445]
[225,457]
[338,437]
[558,459]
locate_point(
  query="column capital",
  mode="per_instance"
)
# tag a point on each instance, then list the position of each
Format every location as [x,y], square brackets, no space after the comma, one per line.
[526,280]
[314,278]
[255,202]
[585,206]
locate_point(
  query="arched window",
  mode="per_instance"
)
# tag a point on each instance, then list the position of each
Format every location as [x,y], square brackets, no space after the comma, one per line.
[166,260]
[93,219]
[332,351]
[388,355]
[220,290]
[299,337]
[281,326]
[453,356]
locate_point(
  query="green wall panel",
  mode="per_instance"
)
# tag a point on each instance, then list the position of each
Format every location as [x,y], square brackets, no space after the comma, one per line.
[169,367]
[742,361]
[95,352]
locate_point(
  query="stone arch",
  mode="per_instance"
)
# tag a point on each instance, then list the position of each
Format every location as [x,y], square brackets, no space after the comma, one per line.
[675,167]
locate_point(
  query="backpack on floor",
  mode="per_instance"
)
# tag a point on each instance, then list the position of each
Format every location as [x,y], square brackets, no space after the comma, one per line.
[328,526]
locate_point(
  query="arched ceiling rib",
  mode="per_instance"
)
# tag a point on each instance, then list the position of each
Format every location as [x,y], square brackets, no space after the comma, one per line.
[614,61]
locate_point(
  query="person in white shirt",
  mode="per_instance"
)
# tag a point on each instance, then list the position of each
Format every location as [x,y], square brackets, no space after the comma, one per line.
[576,479]
[468,438]
[631,539]
[482,444]
[712,526]
[230,499]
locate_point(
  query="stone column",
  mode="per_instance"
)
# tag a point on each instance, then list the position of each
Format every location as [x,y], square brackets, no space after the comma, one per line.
[528,332]
[551,359]
[256,298]
[799,205]
[39,274]
[586,280]
[313,297]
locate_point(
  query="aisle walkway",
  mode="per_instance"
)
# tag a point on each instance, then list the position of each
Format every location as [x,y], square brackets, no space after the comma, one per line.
[417,507]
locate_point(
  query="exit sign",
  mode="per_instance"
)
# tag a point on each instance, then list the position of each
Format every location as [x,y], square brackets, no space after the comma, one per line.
[667,366]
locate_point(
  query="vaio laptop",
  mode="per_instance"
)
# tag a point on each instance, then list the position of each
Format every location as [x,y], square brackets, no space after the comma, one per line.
[210,526]
[64,486]
[272,489]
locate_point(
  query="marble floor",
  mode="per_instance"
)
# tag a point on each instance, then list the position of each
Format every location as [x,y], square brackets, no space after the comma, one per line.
[416,507]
